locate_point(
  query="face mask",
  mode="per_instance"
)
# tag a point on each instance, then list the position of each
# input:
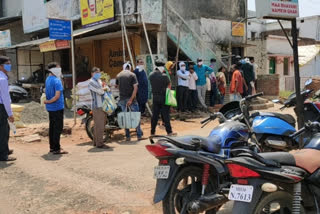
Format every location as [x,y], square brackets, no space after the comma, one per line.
[183,68]
[57,72]
[200,63]
[141,67]
[7,67]
[97,76]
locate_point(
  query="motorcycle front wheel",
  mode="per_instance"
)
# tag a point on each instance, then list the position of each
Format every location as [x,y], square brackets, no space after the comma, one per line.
[90,130]
[276,202]
[185,188]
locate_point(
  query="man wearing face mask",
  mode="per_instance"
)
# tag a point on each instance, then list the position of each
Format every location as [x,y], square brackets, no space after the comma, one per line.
[128,88]
[99,116]
[183,87]
[55,106]
[142,95]
[5,110]
[202,71]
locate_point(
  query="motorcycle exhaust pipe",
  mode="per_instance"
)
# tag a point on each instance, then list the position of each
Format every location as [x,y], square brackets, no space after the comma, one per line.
[206,202]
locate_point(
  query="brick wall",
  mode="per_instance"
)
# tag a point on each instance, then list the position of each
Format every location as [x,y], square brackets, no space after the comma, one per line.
[268,84]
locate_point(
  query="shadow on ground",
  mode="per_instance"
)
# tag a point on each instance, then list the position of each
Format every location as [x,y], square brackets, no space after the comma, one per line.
[51,157]
[4,165]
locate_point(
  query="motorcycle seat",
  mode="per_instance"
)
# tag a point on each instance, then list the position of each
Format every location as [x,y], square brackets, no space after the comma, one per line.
[286,117]
[283,158]
[209,144]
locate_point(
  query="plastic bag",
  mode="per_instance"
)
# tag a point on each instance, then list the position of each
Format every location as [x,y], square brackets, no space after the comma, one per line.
[171,98]
[109,104]
[129,119]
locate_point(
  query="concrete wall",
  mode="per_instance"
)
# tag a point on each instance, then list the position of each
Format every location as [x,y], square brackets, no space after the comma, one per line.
[278,45]
[214,9]
[258,51]
[309,27]
[12,8]
[219,31]
[312,68]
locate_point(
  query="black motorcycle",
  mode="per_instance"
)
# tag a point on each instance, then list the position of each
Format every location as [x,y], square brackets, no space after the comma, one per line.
[278,182]
[111,123]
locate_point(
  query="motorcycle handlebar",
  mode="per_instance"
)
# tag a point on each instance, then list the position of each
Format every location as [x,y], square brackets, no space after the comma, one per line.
[212,117]
[308,126]
[254,96]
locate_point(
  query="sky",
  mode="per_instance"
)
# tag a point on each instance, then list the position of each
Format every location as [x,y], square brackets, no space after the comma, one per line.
[307,7]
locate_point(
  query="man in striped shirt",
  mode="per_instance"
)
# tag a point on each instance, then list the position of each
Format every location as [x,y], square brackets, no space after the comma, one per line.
[99,116]
[5,110]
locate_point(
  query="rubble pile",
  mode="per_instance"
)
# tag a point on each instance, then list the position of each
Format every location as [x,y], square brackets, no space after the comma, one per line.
[34,113]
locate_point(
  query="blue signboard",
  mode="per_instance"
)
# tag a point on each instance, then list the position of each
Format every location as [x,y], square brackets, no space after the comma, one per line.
[59,29]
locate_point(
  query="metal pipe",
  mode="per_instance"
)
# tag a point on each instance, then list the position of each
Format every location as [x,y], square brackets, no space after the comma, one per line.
[125,33]
[285,33]
[73,75]
[148,42]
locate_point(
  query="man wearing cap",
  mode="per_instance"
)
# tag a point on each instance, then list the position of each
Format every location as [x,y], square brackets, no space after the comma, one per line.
[202,71]
[5,109]
[183,87]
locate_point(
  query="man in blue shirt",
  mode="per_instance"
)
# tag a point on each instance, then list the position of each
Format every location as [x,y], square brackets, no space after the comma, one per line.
[55,106]
[202,71]
[5,110]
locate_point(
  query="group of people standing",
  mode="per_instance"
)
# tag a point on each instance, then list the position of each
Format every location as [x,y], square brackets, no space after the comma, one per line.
[193,85]
[133,87]
[243,78]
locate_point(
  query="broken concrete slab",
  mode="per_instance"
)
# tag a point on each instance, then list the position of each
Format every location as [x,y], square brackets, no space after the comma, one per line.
[31,138]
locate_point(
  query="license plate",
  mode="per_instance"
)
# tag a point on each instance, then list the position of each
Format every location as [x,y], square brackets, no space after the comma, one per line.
[241,193]
[161,172]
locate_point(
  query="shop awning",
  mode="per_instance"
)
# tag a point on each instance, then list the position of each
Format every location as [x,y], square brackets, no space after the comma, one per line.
[47,39]
[90,29]
[307,53]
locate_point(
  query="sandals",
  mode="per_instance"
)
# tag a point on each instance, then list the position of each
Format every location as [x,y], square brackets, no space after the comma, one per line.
[60,152]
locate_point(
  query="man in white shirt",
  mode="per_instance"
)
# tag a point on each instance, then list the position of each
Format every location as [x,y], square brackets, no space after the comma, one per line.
[193,94]
[183,87]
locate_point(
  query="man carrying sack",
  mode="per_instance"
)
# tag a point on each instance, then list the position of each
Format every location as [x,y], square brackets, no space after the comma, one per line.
[128,88]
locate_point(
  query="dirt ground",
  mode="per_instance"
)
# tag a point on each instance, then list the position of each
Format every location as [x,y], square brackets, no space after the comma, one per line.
[87,180]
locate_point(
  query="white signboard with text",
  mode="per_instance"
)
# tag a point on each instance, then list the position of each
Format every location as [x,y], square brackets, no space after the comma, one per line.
[5,39]
[278,9]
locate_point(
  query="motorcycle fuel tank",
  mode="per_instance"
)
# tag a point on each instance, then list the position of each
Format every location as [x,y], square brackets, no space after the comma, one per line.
[271,125]
[231,131]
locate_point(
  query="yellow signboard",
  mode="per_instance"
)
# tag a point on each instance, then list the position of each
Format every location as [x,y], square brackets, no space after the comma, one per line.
[48,46]
[237,29]
[94,12]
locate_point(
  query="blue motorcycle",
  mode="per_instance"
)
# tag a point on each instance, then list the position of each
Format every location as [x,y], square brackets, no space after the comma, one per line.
[191,170]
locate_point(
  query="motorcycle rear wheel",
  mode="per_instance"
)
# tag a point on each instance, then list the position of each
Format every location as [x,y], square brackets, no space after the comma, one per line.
[90,130]
[276,202]
[180,190]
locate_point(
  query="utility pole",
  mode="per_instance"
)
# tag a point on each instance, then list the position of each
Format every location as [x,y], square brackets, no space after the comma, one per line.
[162,34]
[299,105]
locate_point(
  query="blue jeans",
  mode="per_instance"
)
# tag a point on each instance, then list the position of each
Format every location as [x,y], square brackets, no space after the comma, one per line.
[135,108]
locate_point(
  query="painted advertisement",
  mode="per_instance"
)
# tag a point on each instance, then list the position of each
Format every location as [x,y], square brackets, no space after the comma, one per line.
[94,12]
[5,39]
[237,29]
[34,18]
[288,9]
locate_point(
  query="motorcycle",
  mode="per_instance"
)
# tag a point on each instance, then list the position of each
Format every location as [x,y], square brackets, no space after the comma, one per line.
[18,93]
[278,182]
[111,122]
[191,169]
